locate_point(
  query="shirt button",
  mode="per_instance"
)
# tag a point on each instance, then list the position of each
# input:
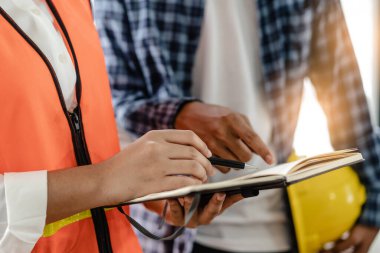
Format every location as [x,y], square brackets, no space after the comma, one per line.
[36,12]
[62,58]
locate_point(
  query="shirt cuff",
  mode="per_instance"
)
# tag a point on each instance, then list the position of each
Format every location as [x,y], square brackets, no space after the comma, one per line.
[26,204]
[179,105]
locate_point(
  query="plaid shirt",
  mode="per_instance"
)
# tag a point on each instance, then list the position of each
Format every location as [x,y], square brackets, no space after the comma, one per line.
[150,47]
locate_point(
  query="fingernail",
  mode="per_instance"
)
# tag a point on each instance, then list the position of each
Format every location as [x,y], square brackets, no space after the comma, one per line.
[269,159]
[345,235]
[328,245]
[209,154]
[220,196]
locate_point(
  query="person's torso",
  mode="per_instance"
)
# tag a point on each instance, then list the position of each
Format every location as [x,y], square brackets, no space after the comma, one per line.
[228,72]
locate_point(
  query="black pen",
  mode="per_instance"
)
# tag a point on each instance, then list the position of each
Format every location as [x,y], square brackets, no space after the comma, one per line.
[230,163]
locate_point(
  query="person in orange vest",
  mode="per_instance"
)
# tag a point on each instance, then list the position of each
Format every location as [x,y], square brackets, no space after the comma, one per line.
[59,153]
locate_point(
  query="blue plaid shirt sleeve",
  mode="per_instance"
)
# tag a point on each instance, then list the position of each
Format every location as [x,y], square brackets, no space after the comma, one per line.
[138,73]
[335,74]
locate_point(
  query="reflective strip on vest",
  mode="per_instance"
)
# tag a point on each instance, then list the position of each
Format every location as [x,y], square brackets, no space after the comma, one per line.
[53,228]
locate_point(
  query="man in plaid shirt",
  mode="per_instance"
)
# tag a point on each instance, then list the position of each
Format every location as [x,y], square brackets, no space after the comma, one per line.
[150,48]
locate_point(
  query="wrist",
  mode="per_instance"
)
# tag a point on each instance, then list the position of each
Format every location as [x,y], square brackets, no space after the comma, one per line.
[104,182]
[97,189]
[184,114]
[113,188]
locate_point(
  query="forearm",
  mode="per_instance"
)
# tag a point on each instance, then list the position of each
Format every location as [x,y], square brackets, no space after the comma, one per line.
[335,74]
[149,114]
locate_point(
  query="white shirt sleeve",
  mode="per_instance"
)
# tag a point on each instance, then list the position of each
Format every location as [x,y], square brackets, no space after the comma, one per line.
[23,203]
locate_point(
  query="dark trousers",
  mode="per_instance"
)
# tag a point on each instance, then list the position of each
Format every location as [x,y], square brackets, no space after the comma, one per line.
[198,248]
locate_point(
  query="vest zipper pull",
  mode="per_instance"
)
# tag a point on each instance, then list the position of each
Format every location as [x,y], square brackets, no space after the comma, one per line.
[75,119]
[79,146]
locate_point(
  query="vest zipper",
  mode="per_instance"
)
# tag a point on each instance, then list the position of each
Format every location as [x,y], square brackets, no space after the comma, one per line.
[75,123]
[83,158]
[81,152]
[79,146]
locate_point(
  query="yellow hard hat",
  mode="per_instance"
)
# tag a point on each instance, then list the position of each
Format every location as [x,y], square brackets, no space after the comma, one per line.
[325,207]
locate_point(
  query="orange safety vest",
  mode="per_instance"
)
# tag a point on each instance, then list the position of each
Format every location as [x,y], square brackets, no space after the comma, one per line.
[37,133]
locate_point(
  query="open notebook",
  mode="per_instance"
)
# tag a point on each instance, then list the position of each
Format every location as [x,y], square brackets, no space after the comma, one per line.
[275,177]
